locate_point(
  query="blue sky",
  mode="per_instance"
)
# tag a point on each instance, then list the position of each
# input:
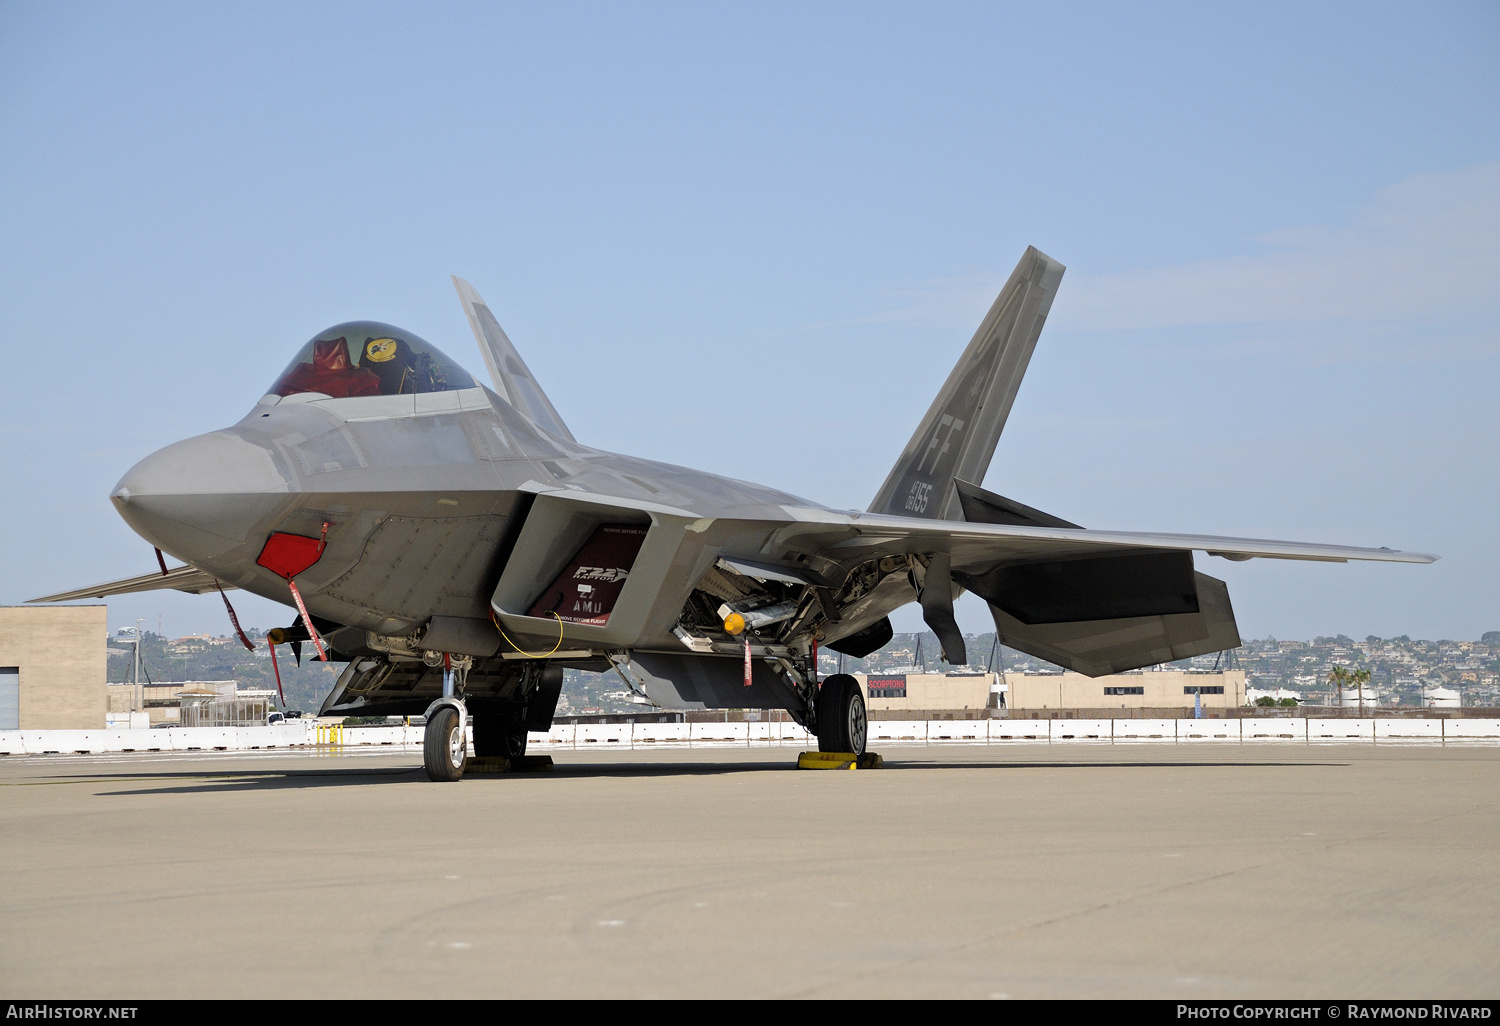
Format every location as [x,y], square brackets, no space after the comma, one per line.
[754,239]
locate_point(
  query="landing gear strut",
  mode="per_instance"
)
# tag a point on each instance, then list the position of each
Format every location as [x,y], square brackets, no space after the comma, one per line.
[841,716]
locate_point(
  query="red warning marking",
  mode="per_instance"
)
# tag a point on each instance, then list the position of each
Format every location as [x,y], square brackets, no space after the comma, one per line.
[287,555]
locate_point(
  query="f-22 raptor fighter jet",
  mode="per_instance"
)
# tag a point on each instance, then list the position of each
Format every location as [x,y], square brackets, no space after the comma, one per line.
[457,548]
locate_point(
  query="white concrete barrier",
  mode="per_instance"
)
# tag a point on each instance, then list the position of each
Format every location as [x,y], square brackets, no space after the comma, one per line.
[661,734]
[254,737]
[1132,731]
[973,732]
[1340,730]
[1290,729]
[66,742]
[764,732]
[560,734]
[1471,730]
[1408,730]
[1014,731]
[1208,730]
[719,733]
[23,741]
[137,740]
[195,739]
[602,735]
[63,741]
[400,736]
[795,734]
[586,736]
[47,742]
[293,734]
[1082,730]
[898,731]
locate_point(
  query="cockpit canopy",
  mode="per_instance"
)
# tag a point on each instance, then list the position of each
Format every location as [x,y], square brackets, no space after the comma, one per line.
[369,358]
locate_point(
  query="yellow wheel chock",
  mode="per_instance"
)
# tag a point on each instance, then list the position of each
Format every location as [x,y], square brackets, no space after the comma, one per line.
[839,760]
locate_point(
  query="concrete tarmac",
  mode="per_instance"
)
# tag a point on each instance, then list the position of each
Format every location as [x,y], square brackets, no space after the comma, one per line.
[1177,871]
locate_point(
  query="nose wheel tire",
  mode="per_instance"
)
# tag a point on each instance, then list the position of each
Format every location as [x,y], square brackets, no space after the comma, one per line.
[842,726]
[445,750]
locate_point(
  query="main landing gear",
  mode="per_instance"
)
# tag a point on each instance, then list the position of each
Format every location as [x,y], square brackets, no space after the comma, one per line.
[841,716]
[500,733]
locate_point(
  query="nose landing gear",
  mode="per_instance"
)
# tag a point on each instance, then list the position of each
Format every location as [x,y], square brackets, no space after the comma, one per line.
[445,746]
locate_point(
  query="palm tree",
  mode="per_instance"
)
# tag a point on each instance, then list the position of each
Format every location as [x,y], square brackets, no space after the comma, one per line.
[1342,677]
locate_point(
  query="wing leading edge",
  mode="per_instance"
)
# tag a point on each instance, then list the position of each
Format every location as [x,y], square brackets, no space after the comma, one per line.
[180,578]
[968,542]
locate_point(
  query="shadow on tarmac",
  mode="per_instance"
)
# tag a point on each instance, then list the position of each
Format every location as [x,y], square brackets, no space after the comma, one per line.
[189,782]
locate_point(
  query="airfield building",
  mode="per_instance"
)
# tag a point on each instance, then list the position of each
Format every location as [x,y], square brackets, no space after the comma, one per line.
[52,667]
[888,694]
[1147,689]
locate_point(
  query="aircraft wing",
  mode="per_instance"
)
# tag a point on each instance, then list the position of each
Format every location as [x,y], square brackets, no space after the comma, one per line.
[979,543]
[180,578]
[1094,601]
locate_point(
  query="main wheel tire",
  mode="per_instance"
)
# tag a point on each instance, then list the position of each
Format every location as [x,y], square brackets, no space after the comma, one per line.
[842,725]
[515,739]
[501,733]
[445,750]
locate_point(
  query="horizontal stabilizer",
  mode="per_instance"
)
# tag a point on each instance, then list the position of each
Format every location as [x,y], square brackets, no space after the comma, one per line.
[180,578]
[982,507]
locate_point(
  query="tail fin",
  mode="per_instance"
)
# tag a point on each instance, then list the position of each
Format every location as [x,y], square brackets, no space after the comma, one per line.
[512,378]
[958,436]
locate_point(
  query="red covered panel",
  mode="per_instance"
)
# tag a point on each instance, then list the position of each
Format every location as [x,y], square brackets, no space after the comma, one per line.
[289,554]
[586,591]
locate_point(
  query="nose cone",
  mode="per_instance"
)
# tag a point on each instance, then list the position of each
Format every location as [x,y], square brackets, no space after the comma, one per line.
[200,497]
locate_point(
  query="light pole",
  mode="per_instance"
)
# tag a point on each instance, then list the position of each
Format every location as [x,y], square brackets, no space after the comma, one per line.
[137,700]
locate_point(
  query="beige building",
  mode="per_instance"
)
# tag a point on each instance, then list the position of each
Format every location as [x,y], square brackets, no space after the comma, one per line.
[1152,689]
[903,692]
[52,667]
[1023,692]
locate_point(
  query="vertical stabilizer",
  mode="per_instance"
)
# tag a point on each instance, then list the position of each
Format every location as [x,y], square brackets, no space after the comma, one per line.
[512,378]
[958,436]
